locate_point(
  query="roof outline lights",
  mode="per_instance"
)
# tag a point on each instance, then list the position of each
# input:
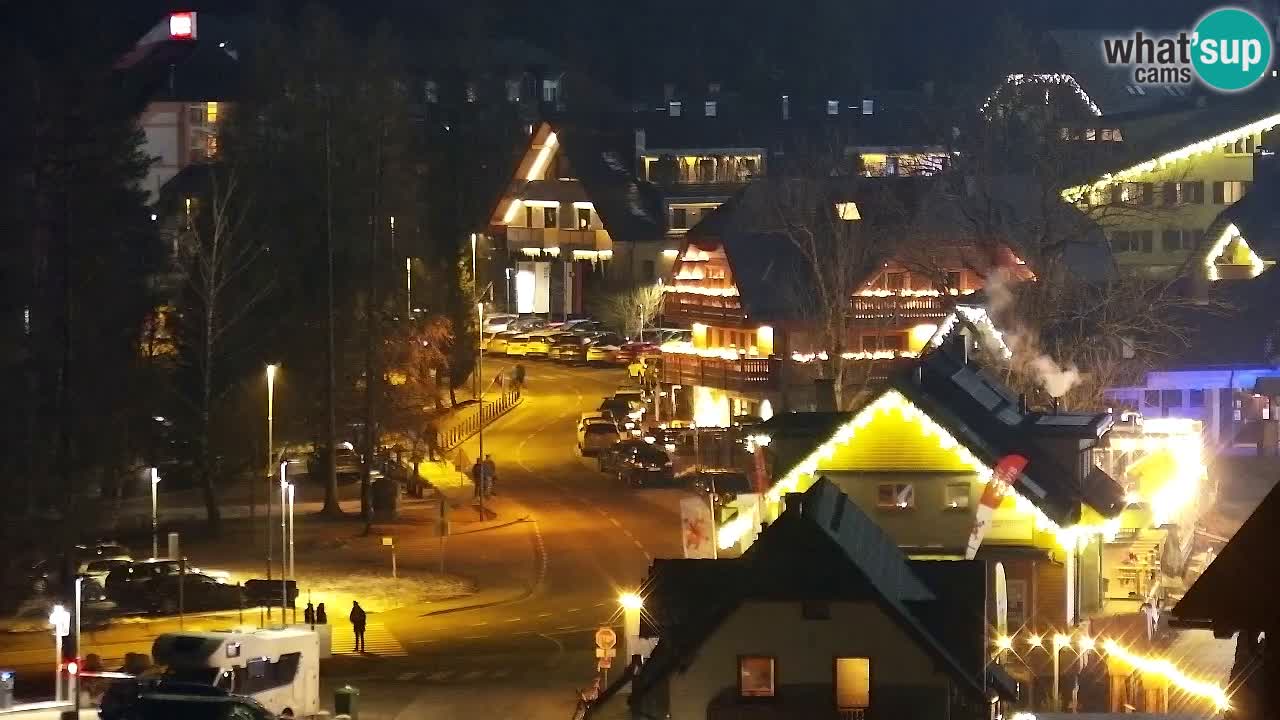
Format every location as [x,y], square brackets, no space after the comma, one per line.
[1209,144]
[1052,78]
[1229,233]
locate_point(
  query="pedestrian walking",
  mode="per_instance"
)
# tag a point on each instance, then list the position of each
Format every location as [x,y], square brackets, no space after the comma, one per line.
[519,377]
[322,618]
[477,478]
[433,441]
[309,614]
[357,624]
[490,474]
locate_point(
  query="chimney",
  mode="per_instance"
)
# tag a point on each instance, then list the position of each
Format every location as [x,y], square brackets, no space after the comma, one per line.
[824,390]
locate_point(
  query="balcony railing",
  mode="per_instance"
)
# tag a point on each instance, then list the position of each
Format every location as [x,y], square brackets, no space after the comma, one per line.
[743,375]
[867,307]
[565,239]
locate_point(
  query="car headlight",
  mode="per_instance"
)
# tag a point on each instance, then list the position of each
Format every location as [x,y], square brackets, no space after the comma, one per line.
[671,447]
[629,425]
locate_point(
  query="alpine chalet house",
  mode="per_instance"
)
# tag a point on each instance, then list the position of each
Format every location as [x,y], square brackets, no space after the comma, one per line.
[746,285]
[822,618]
[951,465]
[600,202]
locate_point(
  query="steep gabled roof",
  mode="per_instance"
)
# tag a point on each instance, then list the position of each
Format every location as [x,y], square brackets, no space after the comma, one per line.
[822,547]
[1234,591]
[1111,87]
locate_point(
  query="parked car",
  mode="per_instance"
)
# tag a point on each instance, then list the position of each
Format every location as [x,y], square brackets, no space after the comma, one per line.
[646,466]
[629,352]
[597,434]
[497,343]
[199,592]
[570,348]
[498,322]
[724,484]
[636,396]
[102,548]
[675,440]
[611,458]
[154,699]
[128,585]
[98,568]
[517,346]
[539,343]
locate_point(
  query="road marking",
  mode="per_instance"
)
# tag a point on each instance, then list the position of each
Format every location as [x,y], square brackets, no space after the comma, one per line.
[615,522]
[501,673]
[407,676]
[472,675]
[639,545]
[439,675]
[486,622]
[573,610]
[474,637]
[565,627]
[512,620]
[544,615]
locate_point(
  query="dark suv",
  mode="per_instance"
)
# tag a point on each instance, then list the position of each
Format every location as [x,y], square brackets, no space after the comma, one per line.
[645,467]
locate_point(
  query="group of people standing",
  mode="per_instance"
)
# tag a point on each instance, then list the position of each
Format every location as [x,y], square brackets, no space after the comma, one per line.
[484,473]
[317,616]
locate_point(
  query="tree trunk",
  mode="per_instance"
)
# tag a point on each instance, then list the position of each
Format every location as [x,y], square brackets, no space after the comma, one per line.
[213,516]
[331,506]
[371,373]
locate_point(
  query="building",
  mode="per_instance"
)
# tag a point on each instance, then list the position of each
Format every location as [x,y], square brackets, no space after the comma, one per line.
[639,181]
[746,287]
[822,618]
[189,68]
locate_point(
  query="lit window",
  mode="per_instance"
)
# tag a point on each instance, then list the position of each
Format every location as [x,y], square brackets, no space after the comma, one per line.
[549,215]
[584,218]
[868,107]
[853,683]
[211,112]
[550,91]
[755,676]
[471,92]
[957,495]
[709,108]
[1229,191]
[673,108]
[895,496]
[1090,134]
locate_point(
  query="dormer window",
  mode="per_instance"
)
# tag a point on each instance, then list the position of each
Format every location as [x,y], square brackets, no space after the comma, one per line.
[709,108]
[673,108]
[868,107]
[833,107]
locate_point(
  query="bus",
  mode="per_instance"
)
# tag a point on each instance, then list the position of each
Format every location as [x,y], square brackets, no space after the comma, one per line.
[279,668]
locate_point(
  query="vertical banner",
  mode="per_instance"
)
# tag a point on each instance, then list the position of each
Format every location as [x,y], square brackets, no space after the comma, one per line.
[696,531]
[1000,485]
[542,287]
[1002,602]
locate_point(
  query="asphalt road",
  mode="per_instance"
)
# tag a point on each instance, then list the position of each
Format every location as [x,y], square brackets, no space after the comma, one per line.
[552,577]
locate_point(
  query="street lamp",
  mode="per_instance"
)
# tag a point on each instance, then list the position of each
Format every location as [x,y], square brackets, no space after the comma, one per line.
[632,604]
[271,405]
[155,533]
[480,398]
[1060,641]
[60,619]
[284,540]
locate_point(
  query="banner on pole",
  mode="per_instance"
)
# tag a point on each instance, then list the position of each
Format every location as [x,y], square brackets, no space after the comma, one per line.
[696,532]
[1000,485]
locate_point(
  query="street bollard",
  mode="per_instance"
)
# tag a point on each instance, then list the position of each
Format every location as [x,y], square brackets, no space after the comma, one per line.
[346,701]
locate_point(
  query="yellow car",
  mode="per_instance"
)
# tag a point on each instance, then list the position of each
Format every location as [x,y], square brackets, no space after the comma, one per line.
[498,342]
[517,345]
[539,344]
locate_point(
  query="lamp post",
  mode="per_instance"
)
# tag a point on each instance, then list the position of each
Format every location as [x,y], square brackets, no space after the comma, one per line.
[60,619]
[284,539]
[271,405]
[632,604]
[155,532]
[480,397]
[1060,641]
[74,678]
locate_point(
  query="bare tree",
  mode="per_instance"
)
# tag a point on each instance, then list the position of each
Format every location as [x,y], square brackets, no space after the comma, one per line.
[631,310]
[217,259]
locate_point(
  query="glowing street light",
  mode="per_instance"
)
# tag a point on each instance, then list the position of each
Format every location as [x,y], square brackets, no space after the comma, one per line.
[630,601]
[155,533]
[1004,642]
[1086,643]
[60,619]
[631,604]
[271,404]
[1035,641]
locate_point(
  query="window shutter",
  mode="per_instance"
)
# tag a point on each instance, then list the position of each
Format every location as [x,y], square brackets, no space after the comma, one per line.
[1197,192]
[1148,193]
[1217,192]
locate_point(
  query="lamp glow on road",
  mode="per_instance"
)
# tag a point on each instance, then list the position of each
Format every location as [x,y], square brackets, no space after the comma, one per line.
[1035,641]
[630,601]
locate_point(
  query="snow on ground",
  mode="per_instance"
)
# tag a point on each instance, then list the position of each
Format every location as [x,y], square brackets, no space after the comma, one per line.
[378,593]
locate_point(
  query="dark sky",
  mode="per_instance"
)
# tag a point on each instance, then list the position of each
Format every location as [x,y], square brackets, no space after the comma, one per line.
[906,38]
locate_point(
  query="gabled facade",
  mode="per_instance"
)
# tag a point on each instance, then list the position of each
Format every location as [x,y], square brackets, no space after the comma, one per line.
[822,618]
[756,346]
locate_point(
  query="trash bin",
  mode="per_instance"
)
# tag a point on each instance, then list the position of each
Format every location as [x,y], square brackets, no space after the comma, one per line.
[346,701]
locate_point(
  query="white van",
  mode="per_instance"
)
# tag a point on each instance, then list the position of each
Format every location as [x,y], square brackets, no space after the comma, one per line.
[278,668]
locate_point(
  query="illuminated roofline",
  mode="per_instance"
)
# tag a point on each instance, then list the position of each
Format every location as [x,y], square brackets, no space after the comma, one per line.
[1076,193]
[1231,232]
[1054,78]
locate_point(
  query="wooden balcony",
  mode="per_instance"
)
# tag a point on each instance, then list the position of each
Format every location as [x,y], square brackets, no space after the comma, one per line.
[742,375]
[924,307]
[566,240]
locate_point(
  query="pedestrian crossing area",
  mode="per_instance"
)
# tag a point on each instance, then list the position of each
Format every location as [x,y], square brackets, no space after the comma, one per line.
[377,641]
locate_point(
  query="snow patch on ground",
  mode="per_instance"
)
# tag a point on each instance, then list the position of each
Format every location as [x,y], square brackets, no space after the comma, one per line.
[377,593]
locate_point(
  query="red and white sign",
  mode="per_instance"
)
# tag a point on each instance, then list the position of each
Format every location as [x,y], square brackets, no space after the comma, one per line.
[182,26]
[1000,485]
[606,638]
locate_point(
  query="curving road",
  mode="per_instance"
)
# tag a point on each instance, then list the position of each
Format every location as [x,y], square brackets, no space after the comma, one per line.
[586,540]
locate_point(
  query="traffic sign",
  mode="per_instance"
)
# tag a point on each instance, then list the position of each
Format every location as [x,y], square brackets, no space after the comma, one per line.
[606,638]
[604,663]
[603,653]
